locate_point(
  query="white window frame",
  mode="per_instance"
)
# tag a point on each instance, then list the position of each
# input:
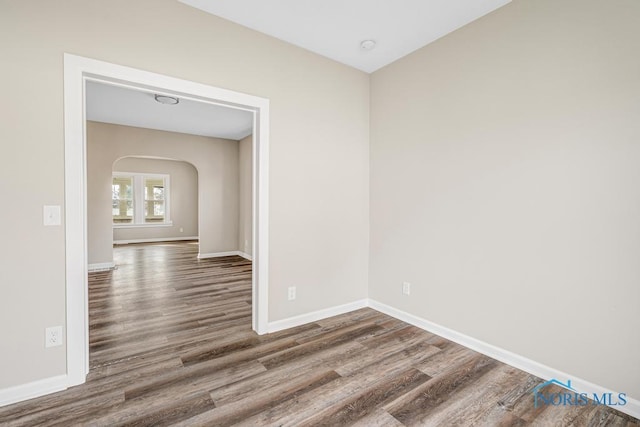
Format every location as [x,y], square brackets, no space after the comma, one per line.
[139,201]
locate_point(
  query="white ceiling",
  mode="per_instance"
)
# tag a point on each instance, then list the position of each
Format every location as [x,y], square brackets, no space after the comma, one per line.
[332,28]
[335,28]
[123,106]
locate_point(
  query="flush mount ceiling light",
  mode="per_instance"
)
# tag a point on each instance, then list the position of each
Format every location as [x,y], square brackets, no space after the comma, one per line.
[367,44]
[164,99]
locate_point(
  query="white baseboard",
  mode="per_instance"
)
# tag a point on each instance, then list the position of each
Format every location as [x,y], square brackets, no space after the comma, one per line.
[33,389]
[245,255]
[221,254]
[314,316]
[154,240]
[101,266]
[632,406]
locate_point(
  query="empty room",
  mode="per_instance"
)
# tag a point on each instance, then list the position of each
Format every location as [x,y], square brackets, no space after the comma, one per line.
[320,213]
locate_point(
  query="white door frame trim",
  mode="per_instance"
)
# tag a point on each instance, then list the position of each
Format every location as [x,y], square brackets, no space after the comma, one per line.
[77,70]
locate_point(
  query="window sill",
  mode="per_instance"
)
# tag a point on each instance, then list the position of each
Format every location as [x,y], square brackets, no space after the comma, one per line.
[158,224]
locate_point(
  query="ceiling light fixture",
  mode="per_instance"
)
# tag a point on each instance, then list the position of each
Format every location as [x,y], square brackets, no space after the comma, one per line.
[164,99]
[367,44]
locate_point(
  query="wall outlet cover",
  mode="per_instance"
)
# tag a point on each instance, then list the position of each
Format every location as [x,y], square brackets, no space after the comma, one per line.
[406,288]
[52,215]
[53,336]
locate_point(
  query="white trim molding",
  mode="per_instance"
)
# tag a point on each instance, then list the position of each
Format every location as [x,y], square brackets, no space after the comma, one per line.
[154,240]
[314,316]
[77,71]
[245,255]
[150,225]
[101,266]
[534,368]
[221,254]
[33,389]
[631,408]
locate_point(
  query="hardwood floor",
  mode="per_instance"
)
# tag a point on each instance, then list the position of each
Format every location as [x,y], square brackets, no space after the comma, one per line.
[171,344]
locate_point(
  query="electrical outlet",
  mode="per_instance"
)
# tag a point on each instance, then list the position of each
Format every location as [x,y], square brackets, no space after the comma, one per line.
[53,336]
[51,215]
[292,293]
[406,288]
[181,230]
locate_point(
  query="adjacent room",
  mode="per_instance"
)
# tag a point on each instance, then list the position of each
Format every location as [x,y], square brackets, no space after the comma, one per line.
[143,221]
[320,213]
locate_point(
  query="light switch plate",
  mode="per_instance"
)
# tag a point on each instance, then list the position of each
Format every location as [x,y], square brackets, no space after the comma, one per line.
[52,215]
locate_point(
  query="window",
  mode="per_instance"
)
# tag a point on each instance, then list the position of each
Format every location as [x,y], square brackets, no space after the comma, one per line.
[140,199]
[122,199]
[154,191]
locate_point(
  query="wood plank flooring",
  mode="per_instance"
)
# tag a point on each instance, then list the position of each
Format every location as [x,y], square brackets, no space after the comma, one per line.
[171,344]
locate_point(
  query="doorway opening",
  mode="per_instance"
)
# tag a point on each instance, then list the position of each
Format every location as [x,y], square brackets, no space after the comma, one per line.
[77,72]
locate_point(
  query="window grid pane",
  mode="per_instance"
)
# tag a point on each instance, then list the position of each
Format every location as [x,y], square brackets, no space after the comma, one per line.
[139,199]
[122,200]
[154,195]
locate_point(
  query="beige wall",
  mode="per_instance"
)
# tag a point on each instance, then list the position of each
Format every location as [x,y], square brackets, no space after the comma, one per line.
[183,199]
[319,133]
[215,159]
[245,222]
[503,172]
[504,185]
